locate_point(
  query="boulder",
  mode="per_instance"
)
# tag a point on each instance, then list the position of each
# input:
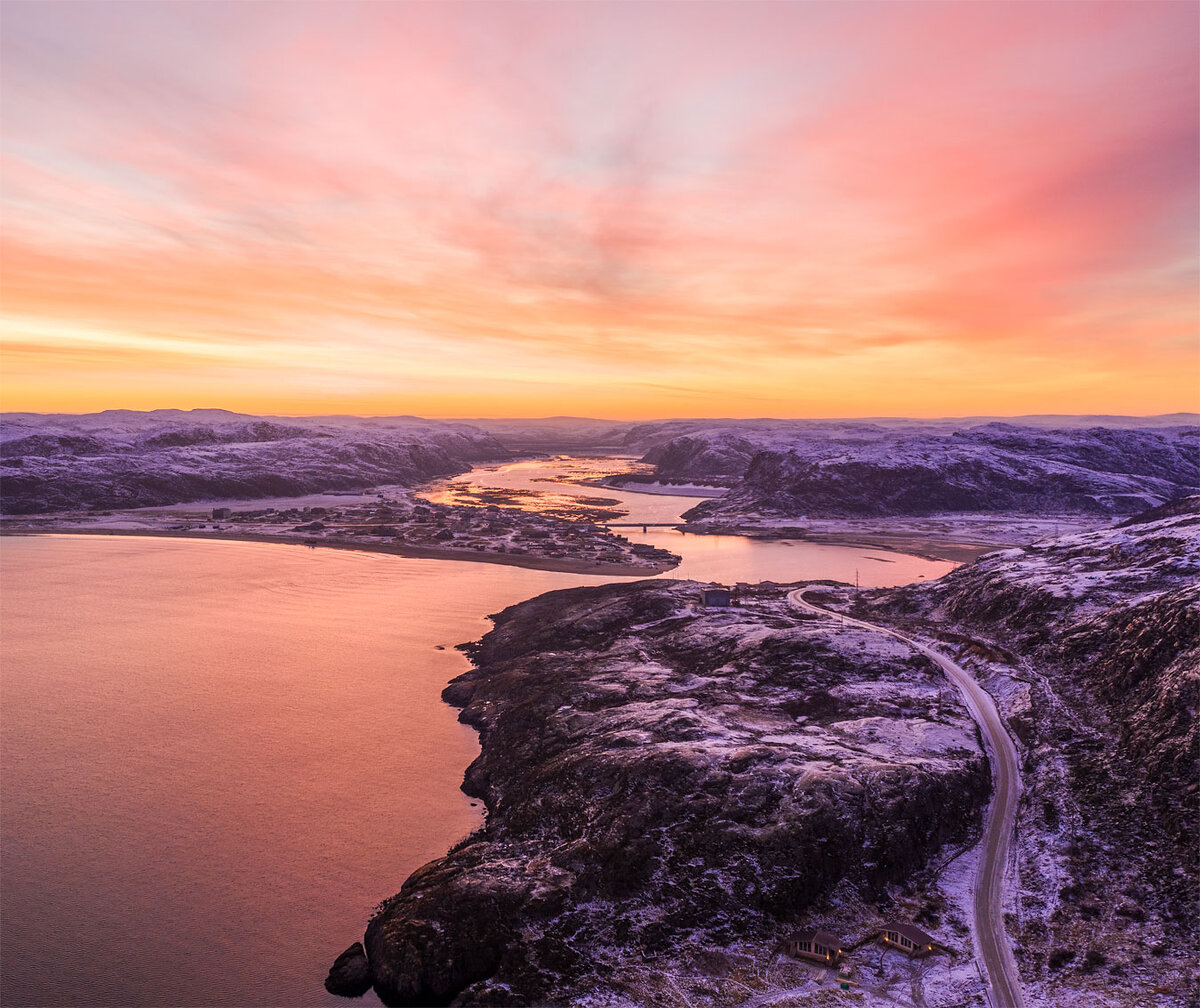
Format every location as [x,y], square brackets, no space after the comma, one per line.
[350,974]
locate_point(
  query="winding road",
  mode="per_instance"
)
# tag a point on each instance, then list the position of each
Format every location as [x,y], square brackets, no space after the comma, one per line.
[991,938]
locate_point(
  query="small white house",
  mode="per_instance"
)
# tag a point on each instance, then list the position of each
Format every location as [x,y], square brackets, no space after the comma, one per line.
[716,596]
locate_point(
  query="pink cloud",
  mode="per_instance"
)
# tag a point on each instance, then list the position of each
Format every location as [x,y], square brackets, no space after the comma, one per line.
[804,180]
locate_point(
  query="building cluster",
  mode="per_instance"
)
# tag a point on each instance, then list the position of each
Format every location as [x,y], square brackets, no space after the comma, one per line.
[824,947]
[416,523]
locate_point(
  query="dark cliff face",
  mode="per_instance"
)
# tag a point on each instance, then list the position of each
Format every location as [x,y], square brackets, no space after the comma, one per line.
[994,468]
[1144,663]
[658,773]
[701,458]
[67,463]
[721,451]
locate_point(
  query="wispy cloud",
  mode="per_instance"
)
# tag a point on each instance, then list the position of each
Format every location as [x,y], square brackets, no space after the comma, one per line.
[840,207]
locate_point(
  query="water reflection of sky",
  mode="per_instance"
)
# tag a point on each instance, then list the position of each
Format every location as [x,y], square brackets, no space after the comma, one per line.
[547,486]
[557,487]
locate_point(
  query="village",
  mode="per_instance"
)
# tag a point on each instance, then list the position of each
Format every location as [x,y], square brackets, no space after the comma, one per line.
[395,522]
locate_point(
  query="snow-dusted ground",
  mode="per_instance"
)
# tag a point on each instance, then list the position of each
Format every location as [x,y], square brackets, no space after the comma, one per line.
[1090,644]
[991,468]
[332,499]
[680,782]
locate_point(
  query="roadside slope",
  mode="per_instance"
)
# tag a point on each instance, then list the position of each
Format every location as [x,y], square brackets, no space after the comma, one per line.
[1091,645]
[991,937]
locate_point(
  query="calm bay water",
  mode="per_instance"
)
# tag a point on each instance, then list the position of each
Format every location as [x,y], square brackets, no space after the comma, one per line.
[217,757]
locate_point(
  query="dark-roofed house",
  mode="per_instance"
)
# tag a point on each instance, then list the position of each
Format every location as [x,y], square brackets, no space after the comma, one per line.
[819,946]
[910,940]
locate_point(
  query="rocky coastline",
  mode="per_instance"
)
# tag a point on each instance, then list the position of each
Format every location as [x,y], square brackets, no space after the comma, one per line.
[666,779]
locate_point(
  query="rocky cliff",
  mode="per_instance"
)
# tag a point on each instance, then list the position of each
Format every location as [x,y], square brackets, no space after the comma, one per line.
[661,775]
[121,459]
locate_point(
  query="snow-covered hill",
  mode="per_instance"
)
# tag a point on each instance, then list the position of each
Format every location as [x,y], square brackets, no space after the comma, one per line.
[993,468]
[122,458]
[1091,643]
[721,450]
[1118,610]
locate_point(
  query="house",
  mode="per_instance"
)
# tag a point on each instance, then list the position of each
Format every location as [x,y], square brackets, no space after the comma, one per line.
[716,596]
[220,513]
[819,946]
[912,941]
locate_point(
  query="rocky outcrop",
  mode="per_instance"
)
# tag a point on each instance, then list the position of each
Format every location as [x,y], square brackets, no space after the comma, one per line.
[350,974]
[657,773]
[1144,662]
[994,468]
[58,463]
[720,457]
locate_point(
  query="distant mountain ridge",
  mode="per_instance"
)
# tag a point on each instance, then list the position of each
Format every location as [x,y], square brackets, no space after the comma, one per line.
[559,433]
[777,468]
[123,458]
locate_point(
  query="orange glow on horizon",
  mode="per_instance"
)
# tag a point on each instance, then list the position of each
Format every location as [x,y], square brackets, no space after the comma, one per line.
[628,211]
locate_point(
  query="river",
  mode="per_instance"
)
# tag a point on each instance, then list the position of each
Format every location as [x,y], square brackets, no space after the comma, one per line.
[218,756]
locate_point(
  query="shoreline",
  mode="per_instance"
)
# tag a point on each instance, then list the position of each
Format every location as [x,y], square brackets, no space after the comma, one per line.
[923,546]
[962,544]
[926,548]
[690,490]
[512,691]
[561,565]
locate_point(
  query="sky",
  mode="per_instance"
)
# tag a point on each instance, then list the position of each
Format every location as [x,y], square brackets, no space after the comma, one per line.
[626,210]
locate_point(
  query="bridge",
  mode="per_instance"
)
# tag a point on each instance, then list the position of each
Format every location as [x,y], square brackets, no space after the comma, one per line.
[644,526]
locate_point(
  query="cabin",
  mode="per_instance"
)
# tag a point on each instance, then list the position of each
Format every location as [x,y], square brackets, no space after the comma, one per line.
[220,513]
[912,941]
[818,946]
[716,596]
